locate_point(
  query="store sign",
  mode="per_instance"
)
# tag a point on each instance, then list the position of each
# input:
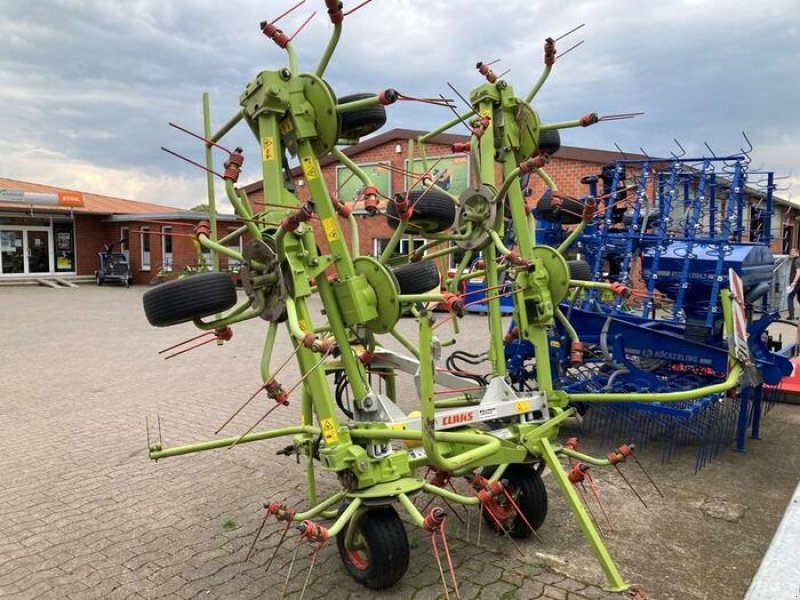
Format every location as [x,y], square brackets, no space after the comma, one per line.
[70,199]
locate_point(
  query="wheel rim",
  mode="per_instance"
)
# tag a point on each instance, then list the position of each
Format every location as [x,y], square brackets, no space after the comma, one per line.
[358,553]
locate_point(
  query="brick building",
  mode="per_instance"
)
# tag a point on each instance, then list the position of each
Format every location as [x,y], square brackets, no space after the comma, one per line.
[48,232]
[385,155]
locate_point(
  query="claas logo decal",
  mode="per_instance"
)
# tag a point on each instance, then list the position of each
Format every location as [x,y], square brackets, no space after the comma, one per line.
[457,419]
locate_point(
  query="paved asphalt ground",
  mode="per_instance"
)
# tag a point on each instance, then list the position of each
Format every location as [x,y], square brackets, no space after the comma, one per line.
[84,513]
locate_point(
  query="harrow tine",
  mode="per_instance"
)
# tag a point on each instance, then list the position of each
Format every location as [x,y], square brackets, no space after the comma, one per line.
[314,556]
[596,495]
[650,479]
[630,485]
[443,535]
[258,535]
[503,529]
[291,566]
[582,494]
[435,550]
[280,543]
[510,498]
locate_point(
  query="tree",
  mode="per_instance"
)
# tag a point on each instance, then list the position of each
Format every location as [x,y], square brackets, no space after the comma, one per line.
[200,208]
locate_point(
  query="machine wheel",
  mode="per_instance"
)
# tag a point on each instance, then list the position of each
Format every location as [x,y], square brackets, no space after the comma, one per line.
[417,278]
[569,212]
[580,270]
[98,277]
[549,141]
[433,211]
[378,556]
[527,488]
[187,299]
[361,122]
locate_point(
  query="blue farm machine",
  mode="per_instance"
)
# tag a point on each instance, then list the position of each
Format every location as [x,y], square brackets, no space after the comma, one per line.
[666,233]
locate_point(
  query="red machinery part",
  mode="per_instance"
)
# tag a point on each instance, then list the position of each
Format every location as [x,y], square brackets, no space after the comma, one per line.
[576,350]
[572,443]
[511,335]
[549,52]
[202,228]
[589,209]
[388,96]
[461,147]
[301,215]
[620,290]
[484,70]
[313,531]
[589,119]
[275,34]
[224,333]
[533,163]
[403,207]
[452,304]
[335,11]
[578,472]
[236,157]
[434,519]
[370,197]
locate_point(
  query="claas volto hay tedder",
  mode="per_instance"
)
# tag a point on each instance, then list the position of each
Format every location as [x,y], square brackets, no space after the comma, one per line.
[499,439]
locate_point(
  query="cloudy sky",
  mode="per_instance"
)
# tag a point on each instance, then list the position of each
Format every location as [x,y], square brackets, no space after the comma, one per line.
[87,87]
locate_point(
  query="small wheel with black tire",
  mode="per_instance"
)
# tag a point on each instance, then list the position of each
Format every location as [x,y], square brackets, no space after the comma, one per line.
[568,212]
[374,548]
[98,277]
[434,211]
[549,141]
[526,487]
[416,278]
[358,123]
[187,299]
[579,270]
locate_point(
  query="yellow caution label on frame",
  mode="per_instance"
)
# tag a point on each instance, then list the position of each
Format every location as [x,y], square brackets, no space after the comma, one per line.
[523,406]
[308,168]
[286,126]
[303,325]
[268,148]
[329,226]
[329,431]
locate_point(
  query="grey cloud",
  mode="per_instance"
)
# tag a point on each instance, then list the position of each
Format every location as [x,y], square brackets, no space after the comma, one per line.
[98,81]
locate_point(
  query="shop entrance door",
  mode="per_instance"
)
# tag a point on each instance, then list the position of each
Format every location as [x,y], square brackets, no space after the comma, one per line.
[38,251]
[25,250]
[12,252]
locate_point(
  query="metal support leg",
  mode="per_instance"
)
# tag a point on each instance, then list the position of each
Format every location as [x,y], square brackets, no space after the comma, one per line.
[615,581]
[755,431]
[741,428]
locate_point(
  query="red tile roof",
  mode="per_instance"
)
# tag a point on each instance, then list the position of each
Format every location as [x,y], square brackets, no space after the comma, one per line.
[92,203]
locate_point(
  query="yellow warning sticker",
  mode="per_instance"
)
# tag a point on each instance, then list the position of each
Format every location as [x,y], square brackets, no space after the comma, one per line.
[286,126]
[523,406]
[329,225]
[555,344]
[268,148]
[398,426]
[303,325]
[329,431]
[486,113]
[308,168]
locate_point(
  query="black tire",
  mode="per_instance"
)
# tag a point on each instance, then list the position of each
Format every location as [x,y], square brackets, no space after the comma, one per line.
[99,279]
[187,299]
[549,141]
[358,123]
[433,211]
[417,278]
[569,213]
[379,559]
[527,488]
[580,270]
